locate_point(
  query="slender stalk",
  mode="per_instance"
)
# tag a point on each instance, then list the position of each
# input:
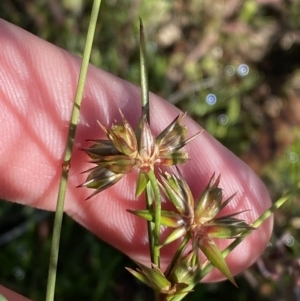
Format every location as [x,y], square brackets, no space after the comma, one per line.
[157,214]
[68,153]
[152,188]
[145,111]
[154,228]
[144,75]
[150,225]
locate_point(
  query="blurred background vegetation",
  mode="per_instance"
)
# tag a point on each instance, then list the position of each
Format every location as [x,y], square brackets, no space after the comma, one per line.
[234,66]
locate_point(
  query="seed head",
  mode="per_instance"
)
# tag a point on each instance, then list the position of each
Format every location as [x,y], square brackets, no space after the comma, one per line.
[199,220]
[127,150]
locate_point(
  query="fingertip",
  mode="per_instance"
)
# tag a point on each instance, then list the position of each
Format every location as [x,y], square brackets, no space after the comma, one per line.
[39,91]
[11,295]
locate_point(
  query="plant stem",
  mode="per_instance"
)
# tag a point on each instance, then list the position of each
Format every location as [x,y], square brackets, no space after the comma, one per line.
[146,111]
[150,225]
[152,186]
[144,75]
[68,153]
[157,213]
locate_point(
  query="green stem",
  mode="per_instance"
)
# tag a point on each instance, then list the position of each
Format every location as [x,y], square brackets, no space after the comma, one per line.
[157,214]
[144,75]
[153,229]
[145,111]
[68,153]
[150,225]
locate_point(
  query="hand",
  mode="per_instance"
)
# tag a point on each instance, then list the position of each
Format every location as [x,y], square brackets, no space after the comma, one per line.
[38,83]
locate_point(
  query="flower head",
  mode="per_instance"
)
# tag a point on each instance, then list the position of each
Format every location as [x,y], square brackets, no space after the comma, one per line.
[199,219]
[126,150]
[178,281]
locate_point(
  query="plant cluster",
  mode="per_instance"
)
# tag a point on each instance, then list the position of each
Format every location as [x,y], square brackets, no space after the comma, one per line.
[247,105]
[195,221]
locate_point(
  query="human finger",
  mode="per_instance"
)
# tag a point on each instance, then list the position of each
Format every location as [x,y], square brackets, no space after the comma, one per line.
[38,82]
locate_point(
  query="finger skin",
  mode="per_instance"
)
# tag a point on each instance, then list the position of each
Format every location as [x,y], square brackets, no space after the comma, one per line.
[10,295]
[38,83]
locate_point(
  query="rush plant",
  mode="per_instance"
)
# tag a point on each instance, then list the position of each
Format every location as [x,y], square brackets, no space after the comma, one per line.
[195,222]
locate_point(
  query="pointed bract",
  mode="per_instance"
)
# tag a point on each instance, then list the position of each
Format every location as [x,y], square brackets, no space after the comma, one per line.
[141,184]
[214,255]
